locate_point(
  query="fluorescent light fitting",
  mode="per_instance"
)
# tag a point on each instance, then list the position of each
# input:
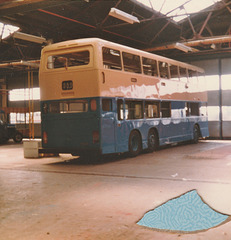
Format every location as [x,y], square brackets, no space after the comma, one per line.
[114,12]
[30,38]
[183,47]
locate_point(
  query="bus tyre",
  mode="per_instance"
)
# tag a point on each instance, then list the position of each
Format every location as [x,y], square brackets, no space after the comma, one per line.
[17,137]
[195,134]
[134,144]
[152,141]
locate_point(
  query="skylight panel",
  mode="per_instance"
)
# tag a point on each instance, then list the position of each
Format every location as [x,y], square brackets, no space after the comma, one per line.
[179,9]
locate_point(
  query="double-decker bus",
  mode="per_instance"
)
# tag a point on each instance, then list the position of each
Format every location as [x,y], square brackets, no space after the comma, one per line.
[101,97]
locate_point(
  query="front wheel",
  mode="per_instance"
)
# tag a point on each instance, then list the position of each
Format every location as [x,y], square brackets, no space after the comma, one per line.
[135,146]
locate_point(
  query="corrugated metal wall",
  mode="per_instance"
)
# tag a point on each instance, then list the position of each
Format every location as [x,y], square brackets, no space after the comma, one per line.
[218,76]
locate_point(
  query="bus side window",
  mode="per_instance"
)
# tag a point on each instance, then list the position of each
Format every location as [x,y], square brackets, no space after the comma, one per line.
[54,107]
[165,109]
[107,105]
[152,110]
[120,109]
[149,67]
[194,109]
[134,110]
[68,60]
[131,62]
[111,59]
[163,69]
[174,74]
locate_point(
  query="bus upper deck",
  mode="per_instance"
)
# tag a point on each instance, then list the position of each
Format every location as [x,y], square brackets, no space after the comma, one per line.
[110,69]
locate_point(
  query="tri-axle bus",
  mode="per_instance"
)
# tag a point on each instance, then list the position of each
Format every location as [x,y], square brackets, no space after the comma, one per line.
[101,97]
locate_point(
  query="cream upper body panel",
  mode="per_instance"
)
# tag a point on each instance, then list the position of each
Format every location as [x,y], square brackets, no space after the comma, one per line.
[92,79]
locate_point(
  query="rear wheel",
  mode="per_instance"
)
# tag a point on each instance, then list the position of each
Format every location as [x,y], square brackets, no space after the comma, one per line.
[196,134]
[152,141]
[135,146]
[17,137]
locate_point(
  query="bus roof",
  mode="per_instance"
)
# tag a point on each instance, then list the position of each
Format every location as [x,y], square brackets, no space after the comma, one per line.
[101,42]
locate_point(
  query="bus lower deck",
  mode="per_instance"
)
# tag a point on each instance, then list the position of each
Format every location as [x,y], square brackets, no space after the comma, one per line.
[116,125]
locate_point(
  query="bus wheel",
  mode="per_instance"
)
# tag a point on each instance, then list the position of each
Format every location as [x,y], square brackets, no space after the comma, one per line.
[134,144]
[152,141]
[17,137]
[195,134]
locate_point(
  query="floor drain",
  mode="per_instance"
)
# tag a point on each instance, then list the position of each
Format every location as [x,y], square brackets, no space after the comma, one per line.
[187,213]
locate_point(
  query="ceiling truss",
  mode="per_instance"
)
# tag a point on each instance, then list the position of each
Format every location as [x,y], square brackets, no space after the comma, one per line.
[62,20]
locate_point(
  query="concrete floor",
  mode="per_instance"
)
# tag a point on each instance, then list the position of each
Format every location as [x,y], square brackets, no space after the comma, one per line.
[65,198]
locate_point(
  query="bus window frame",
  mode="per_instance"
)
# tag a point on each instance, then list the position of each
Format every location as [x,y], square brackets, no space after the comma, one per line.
[169,109]
[154,72]
[160,72]
[120,111]
[178,72]
[120,68]
[149,102]
[57,107]
[110,104]
[130,69]
[61,51]
[130,109]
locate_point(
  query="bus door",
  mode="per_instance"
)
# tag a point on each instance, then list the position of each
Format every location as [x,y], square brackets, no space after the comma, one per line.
[121,129]
[108,126]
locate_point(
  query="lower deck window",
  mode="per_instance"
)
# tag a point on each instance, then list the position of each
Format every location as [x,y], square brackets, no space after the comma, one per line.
[165,109]
[133,110]
[106,105]
[70,106]
[192,109]
[195,109]
[152,110]
[120,109]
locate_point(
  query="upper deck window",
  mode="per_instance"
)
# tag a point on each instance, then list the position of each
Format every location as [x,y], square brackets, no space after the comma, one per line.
[111,59]
[174,72]
[163,68]
[131,62]
[150,67]
[65,60]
